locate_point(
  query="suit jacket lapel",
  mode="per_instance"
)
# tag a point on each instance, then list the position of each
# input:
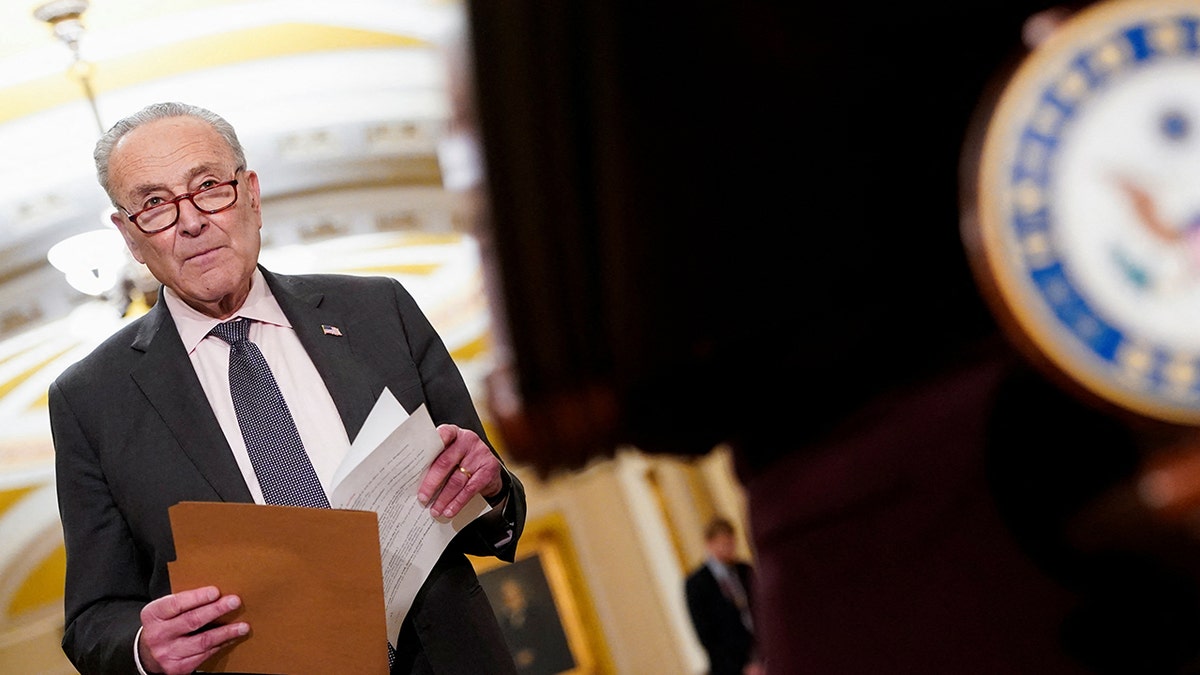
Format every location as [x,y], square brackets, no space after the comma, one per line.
[351,384]
[170,384]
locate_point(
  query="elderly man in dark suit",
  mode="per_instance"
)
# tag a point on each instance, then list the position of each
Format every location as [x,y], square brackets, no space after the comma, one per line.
[718,600]
[148,420]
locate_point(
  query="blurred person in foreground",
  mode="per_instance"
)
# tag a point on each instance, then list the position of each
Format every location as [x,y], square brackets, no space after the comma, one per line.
[758,204]
[146,420]
[718,594]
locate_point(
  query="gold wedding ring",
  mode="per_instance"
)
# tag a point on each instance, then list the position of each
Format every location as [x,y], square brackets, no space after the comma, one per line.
[464,472]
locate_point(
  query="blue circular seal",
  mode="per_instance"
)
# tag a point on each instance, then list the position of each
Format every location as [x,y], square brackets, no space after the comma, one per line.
[1084,217]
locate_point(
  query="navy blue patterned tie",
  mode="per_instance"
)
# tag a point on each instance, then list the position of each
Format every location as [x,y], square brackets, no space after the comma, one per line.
[284,470]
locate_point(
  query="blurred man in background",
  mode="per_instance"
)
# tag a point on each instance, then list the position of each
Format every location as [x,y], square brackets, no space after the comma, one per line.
[718,595]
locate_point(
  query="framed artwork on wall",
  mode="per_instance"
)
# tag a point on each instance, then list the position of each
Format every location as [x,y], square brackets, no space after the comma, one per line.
[543,604]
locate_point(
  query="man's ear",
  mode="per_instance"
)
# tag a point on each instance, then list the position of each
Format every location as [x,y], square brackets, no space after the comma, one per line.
[253,190]
[120,222]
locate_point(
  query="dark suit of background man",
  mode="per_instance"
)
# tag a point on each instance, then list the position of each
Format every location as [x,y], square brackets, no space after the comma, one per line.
[143,422]
[718,599]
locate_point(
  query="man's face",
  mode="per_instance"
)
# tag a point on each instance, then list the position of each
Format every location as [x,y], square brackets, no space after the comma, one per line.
[512,595]
[208,259]
[723,547]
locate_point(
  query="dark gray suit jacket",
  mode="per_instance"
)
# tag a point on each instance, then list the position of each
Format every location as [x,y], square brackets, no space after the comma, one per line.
[134,434]
[718,621]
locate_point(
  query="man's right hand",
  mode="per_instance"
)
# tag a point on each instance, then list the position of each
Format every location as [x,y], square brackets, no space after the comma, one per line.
[171,641]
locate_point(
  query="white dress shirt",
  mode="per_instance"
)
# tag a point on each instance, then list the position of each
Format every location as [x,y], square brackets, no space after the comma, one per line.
[316,416]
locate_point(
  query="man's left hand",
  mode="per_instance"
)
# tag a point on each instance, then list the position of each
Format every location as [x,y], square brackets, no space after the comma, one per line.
[465,467]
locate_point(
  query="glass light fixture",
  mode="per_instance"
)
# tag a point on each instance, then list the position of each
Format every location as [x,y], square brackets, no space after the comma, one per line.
[92,261]
[66,17]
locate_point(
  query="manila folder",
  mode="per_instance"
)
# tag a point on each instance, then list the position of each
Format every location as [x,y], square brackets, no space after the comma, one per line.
[310,580]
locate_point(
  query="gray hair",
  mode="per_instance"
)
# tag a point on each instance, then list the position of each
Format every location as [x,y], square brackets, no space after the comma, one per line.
[153,113]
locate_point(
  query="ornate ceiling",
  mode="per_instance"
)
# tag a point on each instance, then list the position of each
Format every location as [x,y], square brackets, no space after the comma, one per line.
[343,108]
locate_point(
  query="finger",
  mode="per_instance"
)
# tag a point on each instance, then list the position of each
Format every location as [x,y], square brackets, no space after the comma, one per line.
[172,639]
[193,619]
[466,483]
[486,478]
[1040,26]
[443,465]
[449,434]
[171,606]
[194,650]
[454,495]
[483,466]
[208,642]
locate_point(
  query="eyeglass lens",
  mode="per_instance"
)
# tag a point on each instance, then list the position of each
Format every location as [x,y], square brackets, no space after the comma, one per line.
[211,200]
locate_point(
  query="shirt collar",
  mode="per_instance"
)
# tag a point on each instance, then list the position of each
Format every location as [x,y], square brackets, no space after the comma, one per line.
[718,568]
[194,326]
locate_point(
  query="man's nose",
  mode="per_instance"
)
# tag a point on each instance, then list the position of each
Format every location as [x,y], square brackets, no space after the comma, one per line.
[191,219]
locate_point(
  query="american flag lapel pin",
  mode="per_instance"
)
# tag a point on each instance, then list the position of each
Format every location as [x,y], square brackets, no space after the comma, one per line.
[331,330]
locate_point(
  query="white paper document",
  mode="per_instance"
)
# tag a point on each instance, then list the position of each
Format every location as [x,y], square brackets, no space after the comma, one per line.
[381,473]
